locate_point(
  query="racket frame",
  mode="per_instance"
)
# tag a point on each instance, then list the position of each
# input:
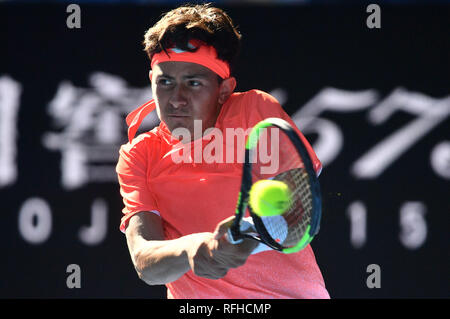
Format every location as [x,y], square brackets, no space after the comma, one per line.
[234,234]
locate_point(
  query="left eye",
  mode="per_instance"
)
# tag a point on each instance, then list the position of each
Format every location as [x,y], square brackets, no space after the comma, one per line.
[194,83]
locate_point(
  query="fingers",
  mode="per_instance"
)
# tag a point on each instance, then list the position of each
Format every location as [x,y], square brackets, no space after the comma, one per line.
[222,227]
[214,256]
[248,245]
[211,270]
[243,249]
[205,264]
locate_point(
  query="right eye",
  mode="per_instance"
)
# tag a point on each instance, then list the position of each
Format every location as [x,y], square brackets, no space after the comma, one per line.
[164,82]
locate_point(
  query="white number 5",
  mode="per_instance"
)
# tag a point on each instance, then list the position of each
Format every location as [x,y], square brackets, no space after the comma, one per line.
[413,226]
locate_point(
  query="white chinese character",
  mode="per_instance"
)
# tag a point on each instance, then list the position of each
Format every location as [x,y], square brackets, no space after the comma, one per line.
[90,124]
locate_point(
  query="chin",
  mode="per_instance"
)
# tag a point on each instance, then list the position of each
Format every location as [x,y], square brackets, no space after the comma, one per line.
[178,129]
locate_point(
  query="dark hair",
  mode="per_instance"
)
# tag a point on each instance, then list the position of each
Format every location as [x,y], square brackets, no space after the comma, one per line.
[202,22]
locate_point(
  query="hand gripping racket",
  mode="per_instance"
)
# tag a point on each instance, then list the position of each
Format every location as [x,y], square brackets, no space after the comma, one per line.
[274,150]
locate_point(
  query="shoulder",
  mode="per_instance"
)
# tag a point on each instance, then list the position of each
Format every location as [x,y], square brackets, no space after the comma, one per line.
[141,147]
[136,156]
[261,96]
[138,143]
[245,109]
[260,102]
[246,103]
[259,105]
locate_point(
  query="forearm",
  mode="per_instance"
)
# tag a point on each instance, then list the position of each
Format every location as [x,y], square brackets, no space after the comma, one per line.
[158,262]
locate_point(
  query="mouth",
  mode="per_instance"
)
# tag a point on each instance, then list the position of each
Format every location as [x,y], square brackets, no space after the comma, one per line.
[178,115]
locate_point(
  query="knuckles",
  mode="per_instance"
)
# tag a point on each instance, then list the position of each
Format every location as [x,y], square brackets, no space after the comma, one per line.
[214,258]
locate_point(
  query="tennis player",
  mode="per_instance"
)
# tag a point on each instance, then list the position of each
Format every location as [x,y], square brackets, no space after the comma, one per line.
[177,213]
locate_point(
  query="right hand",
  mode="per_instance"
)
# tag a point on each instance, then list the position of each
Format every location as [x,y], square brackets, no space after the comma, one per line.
[201,256]
[212,256]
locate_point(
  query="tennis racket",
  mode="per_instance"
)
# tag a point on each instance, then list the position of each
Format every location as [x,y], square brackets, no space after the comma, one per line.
[274,150]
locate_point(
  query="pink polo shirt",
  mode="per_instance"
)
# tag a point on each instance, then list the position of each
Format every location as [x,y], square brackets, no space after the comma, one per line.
[194,197]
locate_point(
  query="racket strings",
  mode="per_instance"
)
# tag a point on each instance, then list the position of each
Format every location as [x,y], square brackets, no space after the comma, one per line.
[286,229]
[298,216]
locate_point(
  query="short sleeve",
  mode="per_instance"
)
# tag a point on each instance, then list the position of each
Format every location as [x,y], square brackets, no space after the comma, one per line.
[264,105]
[132,175]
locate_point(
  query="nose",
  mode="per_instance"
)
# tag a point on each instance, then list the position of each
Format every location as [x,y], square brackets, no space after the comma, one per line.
[179,97]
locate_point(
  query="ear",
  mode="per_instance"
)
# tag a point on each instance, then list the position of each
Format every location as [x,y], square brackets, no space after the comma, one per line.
[226,88]
[150,75]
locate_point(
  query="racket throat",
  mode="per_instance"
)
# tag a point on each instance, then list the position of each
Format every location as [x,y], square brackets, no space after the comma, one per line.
[234,237]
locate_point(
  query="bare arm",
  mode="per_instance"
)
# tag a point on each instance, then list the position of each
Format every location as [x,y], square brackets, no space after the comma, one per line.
[159,261]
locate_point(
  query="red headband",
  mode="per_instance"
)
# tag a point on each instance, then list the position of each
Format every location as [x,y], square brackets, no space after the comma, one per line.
[205,55]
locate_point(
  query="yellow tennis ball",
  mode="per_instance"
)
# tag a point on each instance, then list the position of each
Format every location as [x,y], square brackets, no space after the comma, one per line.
[269,197]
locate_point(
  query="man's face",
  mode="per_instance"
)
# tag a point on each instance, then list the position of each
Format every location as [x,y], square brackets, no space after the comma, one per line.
[185,92]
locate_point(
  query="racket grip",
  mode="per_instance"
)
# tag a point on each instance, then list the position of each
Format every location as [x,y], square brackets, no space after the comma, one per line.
[231,239]
[247,224]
